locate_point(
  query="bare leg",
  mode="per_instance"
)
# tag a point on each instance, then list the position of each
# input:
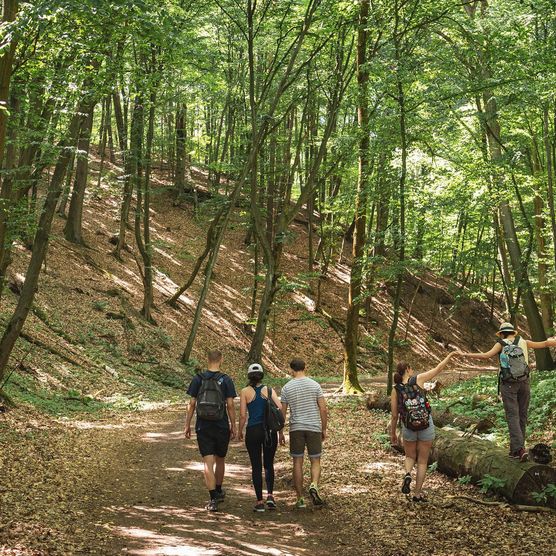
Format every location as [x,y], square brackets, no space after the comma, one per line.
[219,469]
[298,475]
[210,480]
[423,451]
[315,470]
[410,455]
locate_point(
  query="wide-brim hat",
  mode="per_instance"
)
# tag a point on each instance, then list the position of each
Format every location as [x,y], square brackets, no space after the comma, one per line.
[255,368]
[506,327]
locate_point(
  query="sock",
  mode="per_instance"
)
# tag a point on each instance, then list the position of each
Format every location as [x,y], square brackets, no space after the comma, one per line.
[212,494]
[218,488]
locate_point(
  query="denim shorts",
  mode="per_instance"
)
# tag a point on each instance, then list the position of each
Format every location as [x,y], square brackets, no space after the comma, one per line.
[424,435]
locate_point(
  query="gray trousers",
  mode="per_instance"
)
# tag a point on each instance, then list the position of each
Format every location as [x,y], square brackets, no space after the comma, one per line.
[516,396]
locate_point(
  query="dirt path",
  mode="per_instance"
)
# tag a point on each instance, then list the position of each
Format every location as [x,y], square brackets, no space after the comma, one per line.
[157,507]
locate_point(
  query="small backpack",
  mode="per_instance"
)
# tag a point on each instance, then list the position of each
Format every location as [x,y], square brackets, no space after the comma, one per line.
[413,406]
[513,366]
[273,416]
[211,405]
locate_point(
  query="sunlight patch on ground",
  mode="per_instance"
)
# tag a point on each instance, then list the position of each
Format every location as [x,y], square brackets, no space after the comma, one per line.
[162,436]
[352,489]
[169,257]
[380,466]
[304,300]
[163,545]
[340,272]
[232,469]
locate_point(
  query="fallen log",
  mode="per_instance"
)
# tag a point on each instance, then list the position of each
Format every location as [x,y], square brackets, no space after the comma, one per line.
[457,456]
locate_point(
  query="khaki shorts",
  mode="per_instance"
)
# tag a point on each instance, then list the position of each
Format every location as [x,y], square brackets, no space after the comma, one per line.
[300,439]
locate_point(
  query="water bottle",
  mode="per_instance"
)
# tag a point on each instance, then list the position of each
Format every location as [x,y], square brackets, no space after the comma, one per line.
[504,360]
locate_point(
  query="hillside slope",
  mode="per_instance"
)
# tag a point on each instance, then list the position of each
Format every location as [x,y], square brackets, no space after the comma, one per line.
[86,343]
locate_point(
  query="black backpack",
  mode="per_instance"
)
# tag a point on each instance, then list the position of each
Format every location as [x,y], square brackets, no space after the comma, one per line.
[413,406]
[273,416]
[211,405]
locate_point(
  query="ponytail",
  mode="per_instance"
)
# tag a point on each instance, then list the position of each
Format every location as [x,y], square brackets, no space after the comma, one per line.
[254,379]
[401,369]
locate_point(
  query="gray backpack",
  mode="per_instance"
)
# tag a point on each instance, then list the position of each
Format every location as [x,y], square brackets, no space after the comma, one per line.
[513,366]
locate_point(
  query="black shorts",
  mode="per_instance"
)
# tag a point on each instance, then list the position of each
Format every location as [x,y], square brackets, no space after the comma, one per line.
[213,441]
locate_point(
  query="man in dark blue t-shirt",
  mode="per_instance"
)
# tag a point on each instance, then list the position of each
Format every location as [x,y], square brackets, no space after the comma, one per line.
[213,437]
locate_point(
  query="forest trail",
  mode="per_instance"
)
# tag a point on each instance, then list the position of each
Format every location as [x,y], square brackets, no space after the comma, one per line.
[157,507]
[133,485]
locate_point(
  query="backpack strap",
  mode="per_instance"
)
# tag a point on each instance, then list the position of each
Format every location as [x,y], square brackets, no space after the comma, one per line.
[516,341]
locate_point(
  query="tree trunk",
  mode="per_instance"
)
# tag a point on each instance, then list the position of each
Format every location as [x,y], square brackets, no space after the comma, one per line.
[9,12]
[351,382]
[73,230]
[549,176]
[40,245]
[458,457]
[121,124]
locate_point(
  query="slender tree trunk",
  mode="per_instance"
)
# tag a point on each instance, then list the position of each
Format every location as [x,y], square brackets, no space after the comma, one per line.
[548,149]
[9,12]
[121,123]
[73,230]
[351,381]
[400,232]
[143,213]
[40,245]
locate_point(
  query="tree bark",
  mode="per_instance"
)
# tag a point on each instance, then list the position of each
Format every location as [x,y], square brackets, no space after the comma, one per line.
[351,382]
[73,230]
[458,457]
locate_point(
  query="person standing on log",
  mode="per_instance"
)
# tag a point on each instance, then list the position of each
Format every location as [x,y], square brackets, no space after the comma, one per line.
[513,381]
[409,404]
[212,398]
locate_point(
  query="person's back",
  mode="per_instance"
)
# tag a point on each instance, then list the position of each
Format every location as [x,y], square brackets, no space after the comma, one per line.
[302,395]
[212,398]
[308,422]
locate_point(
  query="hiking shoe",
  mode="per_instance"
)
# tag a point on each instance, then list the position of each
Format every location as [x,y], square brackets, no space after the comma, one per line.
[315,496]
[259,507]
[419,499]
[522,455]
[300,503]
[220,495]
[405,485]
[212,506]
[270,503]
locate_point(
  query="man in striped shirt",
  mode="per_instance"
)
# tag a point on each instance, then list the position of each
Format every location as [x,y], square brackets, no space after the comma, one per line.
[308,419]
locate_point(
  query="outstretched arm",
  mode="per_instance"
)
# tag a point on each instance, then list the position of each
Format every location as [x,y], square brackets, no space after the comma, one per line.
[551,342]
[429,375]
[487,354]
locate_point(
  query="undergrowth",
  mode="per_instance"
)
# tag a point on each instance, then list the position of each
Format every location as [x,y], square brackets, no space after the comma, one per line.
[477,398]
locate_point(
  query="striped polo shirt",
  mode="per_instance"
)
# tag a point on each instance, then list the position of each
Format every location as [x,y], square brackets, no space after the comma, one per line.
[301,395]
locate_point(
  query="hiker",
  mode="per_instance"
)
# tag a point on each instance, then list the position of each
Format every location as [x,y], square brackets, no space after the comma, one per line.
[308,422]
[513,381]
[409,404]
[212,395]
[260,440]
